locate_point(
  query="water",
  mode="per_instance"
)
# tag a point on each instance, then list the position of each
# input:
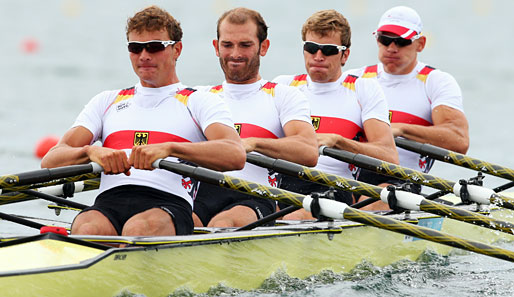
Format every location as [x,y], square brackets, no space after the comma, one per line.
[81,51]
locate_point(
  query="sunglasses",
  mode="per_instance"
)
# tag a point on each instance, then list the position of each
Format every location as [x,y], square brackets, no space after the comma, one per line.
[400,42]
[152,46]
[326,49]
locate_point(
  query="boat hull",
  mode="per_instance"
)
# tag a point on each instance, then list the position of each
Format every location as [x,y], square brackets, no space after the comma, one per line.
[243,260]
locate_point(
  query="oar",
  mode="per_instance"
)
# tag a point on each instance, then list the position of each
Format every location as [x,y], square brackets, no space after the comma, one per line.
[455,158]
[405,200]
[332,209]
[80,186]
[20,221]
[48,177]
[476,193]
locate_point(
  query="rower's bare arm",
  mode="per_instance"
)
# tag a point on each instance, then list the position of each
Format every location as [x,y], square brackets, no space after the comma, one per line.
[74,148]
[299,144]
[380,142]
[450,130]
[223,151]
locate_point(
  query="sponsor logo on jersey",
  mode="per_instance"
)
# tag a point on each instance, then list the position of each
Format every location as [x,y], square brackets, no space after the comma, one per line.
[316,122]
[141,138]
[272,178]
[122,106]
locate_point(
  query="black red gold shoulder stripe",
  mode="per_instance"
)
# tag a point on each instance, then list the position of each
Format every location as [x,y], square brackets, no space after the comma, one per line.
[299,80]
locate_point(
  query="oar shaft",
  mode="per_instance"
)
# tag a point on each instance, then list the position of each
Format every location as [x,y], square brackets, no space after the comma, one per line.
[20,221]
[455,158]
[46,175]
[466,216]
[55,199]
[82,186]
[333,209]
[389,169]
[346,184]
[317,176]
[426,233]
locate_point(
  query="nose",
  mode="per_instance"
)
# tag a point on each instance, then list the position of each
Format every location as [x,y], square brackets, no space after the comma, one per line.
[144,55]
[318,56]
[392,47]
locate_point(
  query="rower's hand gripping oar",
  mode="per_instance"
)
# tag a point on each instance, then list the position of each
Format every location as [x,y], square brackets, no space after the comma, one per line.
[332,209]
[463,189]
[48,177]
[401,199]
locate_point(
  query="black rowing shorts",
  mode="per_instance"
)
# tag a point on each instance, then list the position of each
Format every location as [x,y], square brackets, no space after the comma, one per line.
[294,184]
[121,203]
[212,200]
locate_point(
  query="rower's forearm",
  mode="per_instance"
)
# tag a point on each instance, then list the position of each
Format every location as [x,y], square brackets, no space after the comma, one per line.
[442,136]
[62,155]
[380,151]
[294,149]
[221,155]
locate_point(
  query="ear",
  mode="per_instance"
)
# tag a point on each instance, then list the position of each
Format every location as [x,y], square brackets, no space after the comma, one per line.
[177,50]
[421,42]
[345,56]
[216,48]
[264,47]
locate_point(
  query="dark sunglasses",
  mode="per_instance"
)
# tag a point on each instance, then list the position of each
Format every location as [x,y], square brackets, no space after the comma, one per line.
[152,46]
[326,49]
[387,40]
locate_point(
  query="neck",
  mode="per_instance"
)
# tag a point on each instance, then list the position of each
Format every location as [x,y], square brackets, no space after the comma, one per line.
[245,82]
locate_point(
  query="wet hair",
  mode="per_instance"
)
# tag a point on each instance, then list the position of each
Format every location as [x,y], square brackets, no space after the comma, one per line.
[240,16]
[324,22]
[154,18]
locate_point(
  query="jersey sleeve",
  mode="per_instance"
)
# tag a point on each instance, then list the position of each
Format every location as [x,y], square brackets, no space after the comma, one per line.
[207,108]
[91,117]
[372,100]
[443,89]
[292,104]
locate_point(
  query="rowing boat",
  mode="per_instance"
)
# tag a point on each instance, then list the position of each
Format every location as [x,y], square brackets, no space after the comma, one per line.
[51,264]
[55,265]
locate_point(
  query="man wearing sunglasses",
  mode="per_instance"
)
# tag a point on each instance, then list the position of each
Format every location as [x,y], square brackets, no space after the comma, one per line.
[271,119]
[348,112]
[157,118]
[425,103]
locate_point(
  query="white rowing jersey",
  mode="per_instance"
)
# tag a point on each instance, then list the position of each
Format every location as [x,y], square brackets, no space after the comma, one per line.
[341,107]
[411,99]
[122,119]
[262,109]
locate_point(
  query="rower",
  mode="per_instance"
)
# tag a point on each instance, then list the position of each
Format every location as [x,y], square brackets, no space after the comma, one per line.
[271,119]
[157,118]
[425,104]
[348,112]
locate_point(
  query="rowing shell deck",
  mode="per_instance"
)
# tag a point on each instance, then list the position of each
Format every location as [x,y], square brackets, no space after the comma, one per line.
[53,265]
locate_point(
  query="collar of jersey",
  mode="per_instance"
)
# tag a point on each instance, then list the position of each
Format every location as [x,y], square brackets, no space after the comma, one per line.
[242,91]
[318,88]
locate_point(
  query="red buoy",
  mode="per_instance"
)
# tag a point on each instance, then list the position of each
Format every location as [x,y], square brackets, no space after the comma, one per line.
[44,145]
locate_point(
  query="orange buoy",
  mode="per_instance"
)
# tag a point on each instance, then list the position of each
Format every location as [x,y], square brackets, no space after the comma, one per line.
[29,45]
[44,145]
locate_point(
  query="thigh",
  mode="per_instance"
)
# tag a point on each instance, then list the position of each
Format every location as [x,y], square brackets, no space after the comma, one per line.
[92,222]
[151,222]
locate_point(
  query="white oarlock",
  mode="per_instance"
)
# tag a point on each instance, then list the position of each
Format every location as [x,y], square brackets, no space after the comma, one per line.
[477,194]
[329,208]
[406,200]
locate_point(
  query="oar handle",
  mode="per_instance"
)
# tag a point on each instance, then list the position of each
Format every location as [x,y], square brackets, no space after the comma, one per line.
[47,174]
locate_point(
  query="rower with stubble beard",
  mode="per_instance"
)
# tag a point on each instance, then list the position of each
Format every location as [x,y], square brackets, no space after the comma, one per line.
[271,119]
